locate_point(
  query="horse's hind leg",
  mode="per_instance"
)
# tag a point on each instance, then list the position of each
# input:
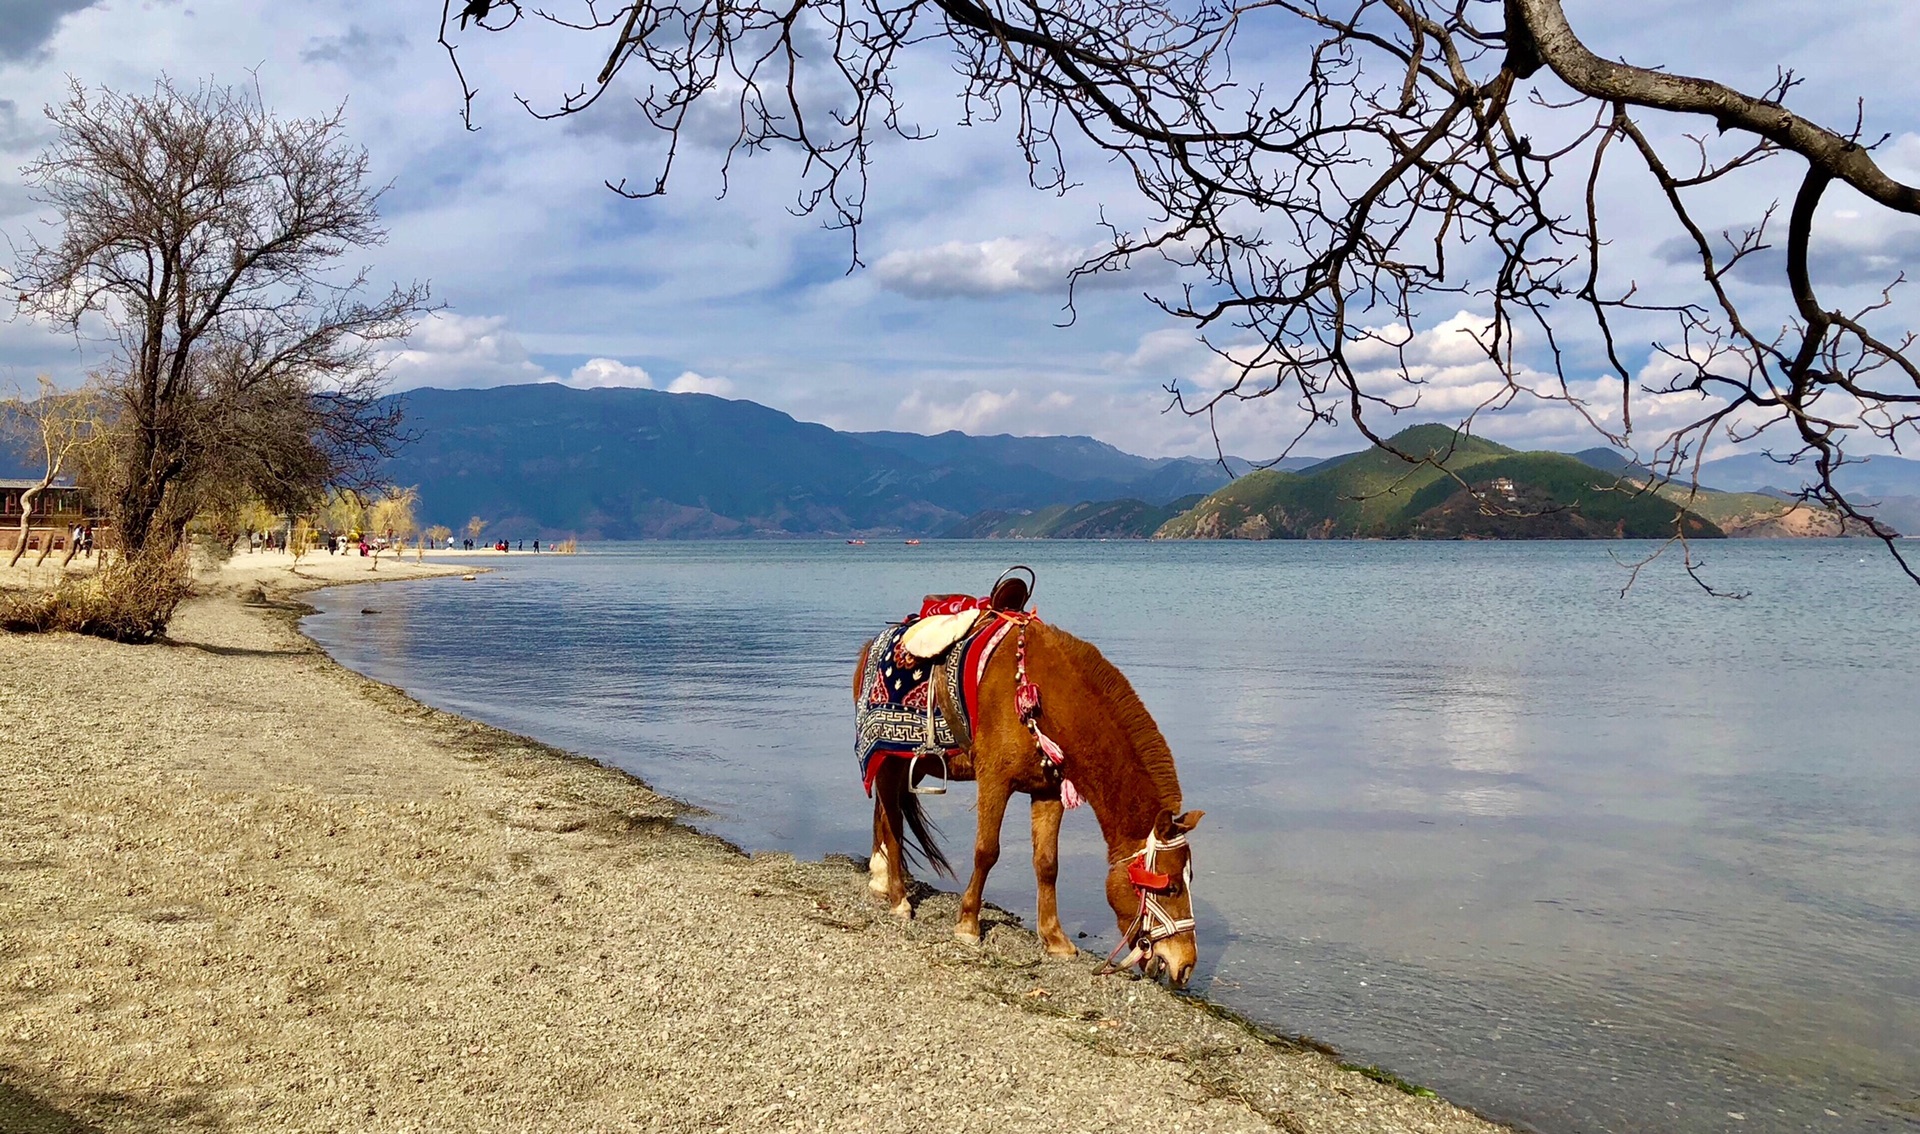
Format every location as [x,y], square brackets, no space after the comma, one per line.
[887,866]
[878,861]
[1046,871]
[986,852]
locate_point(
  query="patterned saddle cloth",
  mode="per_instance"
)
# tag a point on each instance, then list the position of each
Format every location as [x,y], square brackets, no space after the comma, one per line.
[890,716]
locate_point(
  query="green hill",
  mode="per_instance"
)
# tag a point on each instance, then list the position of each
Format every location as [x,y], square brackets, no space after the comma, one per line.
[1093,519]
[1506,494]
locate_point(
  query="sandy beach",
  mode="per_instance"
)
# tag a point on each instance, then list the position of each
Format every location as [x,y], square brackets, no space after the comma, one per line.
[242,888]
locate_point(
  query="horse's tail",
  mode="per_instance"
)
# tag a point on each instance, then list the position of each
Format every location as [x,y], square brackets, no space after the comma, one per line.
[917,842]
[920,832]
[860,669]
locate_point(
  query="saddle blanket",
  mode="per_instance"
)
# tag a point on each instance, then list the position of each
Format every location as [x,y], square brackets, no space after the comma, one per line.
[890,716]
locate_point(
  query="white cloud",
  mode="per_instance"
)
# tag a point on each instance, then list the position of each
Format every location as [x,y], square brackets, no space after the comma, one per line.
[982,411]
[1017,411]
[691,383]
[463,351]
[595,373]
[987,267]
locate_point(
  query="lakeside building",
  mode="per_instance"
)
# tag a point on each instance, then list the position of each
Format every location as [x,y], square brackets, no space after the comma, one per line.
[56,512]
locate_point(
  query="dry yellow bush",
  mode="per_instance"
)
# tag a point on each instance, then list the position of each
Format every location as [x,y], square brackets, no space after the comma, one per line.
[129,600]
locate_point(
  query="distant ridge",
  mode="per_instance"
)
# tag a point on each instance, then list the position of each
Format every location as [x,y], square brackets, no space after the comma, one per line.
[1107,519]
[1472,489]
[549,460]
[1374,494]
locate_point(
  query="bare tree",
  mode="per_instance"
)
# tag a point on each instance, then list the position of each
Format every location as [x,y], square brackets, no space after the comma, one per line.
[204,234]
[393,521]
[1404,152]
[60,426]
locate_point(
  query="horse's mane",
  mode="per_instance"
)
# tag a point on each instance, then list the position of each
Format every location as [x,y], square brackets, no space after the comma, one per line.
[1126,710]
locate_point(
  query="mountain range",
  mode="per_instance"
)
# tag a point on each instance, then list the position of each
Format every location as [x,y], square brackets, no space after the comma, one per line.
[1468,488]
[548,460]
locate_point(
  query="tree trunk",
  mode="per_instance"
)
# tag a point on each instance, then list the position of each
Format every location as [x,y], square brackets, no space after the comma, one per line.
[26,521]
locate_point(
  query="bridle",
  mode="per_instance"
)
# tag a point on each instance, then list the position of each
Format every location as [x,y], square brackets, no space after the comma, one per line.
[1153,923]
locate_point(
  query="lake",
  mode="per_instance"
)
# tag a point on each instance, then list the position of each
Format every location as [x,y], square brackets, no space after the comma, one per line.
[1580,861]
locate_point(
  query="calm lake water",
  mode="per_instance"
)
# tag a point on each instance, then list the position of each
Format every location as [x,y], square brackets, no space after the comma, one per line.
[1582,862]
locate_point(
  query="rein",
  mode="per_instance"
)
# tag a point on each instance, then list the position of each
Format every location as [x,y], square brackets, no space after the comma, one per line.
[1152,924]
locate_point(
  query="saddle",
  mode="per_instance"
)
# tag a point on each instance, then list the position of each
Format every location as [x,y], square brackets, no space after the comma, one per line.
[923,675]
[946,619]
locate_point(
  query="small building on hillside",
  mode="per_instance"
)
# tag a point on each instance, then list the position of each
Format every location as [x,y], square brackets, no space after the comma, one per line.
[1499,489]
[56,512]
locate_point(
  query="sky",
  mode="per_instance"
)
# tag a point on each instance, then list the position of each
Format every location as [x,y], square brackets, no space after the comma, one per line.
[956,321]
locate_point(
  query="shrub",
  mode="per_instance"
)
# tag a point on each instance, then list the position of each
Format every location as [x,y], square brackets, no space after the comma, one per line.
[130,600]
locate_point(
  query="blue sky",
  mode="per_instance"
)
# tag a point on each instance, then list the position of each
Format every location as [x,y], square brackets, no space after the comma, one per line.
[953,324]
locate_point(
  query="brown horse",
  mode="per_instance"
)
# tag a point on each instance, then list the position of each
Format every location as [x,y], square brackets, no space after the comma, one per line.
[1114,755]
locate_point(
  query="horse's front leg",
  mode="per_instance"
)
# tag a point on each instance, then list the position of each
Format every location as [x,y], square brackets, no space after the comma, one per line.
[986,852]
[1047,811]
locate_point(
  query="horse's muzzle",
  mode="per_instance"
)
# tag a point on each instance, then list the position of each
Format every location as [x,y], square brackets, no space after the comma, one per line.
[1176,972]
[1173,958]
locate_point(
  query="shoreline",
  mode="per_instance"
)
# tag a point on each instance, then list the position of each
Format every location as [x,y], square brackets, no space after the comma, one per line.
[246,886]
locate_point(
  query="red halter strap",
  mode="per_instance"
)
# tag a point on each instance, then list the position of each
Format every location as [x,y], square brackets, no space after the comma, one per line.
[1144,879]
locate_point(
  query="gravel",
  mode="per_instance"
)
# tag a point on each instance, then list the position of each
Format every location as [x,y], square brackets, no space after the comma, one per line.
[242,888]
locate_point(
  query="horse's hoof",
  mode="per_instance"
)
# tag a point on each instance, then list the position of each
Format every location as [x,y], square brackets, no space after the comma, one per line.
[1061,949]
[903,910]
[965,938]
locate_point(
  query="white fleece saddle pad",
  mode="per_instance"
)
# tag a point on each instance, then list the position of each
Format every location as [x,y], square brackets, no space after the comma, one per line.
[931,636]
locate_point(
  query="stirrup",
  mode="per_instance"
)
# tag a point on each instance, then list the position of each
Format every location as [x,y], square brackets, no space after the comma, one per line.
[918,789]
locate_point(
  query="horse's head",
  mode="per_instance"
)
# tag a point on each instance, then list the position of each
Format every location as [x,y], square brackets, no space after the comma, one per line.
[1152,895]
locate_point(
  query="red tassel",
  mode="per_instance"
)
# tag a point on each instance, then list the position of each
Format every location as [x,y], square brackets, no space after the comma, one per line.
[1069,795]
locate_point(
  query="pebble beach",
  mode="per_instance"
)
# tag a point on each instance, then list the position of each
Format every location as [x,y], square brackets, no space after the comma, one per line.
[243,888]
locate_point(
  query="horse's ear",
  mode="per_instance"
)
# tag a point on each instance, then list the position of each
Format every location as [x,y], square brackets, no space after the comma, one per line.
[1188,821]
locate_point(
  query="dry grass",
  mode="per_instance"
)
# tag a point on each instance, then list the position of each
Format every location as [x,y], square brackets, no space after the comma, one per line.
[129,600]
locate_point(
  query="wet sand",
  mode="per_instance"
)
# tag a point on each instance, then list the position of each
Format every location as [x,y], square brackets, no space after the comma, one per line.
[242,888]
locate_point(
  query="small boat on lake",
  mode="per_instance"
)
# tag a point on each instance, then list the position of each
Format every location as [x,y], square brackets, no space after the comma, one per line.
[858,542]
[913,543]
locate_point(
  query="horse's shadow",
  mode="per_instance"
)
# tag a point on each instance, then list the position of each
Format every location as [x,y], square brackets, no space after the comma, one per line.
[23,1113]
[224,652]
